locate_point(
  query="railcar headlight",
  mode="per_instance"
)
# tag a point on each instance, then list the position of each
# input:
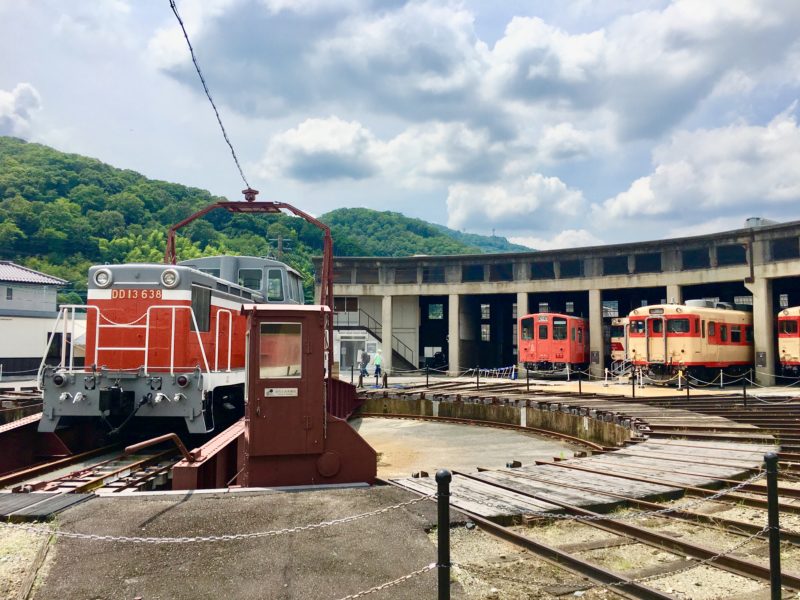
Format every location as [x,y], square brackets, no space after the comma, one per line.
[170,278]
[102,278]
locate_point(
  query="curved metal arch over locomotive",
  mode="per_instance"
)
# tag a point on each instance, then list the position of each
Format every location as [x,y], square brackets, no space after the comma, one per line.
[164,341]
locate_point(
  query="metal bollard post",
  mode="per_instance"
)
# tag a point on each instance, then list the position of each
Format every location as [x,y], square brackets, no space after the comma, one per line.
[527,379]
[443,478]
[427,373]
[352,373]
[360,380]
[478,377]
[687,387]
[744,391]
[721,382]
[633,384]
[679,379]
[580,390]
[771,462]
[385,380]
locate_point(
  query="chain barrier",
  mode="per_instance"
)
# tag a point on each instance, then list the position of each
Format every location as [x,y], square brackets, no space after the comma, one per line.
[392,583]
[209,538]
[28,371]
[702,563]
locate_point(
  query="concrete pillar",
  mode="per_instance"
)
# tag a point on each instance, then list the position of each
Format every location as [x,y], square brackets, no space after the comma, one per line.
[763,330]
[674,294]
[631,264]
[386,334]
[557,269]
[522,309]
[712,257]
[453,335]
[596,351]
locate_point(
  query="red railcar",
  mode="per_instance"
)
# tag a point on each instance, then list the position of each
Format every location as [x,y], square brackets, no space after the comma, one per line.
[553,342]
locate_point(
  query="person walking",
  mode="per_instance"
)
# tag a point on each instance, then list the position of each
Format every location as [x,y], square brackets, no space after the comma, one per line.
[378,363]
[364,362]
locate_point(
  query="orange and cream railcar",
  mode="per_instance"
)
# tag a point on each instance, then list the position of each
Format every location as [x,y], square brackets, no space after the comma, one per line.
[553,342]
[163,342]
[618,342]
[698,337]
[789,339]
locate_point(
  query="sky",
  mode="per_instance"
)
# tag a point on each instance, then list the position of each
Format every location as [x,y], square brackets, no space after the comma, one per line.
[555,124]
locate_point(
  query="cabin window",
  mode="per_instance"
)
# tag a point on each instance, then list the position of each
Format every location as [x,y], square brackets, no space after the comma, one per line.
[678,326]
[787,327]
[212,272]
[702,328]
[542,332]
[527,329]
[711,329]
[748,334]
[559,329]
[274,286]
[280,350]
[201,307]
[580,335]
[723,333]
[572,334]
[658,326]
[736,334]
[636,327]
[617,331]
[697,325]
[250,278]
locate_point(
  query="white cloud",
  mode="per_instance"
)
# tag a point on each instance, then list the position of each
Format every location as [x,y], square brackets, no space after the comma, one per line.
[569,238]
[17,108]
[732,169]
[319,150]
[530,204]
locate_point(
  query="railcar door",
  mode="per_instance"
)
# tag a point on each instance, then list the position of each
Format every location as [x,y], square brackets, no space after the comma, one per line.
[656,339]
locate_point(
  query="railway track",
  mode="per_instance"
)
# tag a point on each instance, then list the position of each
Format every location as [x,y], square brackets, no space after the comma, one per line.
[697,449]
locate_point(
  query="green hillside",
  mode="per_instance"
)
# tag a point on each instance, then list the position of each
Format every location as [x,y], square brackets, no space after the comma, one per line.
[61,213]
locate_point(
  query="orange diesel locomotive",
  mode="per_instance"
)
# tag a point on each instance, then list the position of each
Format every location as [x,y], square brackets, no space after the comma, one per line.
[552,341]
[700,337]
[789,340]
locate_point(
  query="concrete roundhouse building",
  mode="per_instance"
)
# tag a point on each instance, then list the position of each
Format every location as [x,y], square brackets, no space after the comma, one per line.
[466,306]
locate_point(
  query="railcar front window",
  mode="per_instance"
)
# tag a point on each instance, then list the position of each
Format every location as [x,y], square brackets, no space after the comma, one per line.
[788,327]
[678,326]
[280,350]
[559,329]
[527,329]
[274,286]
[542,332]
[658,326]
[636,327]
[617,331]
[250,278]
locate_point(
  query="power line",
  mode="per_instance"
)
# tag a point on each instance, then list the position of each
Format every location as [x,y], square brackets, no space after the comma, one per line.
[208,94]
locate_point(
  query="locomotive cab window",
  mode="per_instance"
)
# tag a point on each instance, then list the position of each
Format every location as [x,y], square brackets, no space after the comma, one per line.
[542,332]
[527,329]
[280,350]
[201,307]
[250,278]
[678,326]
[559,329]
[274,286]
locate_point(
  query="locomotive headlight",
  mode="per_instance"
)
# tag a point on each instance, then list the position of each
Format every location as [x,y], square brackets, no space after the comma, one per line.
[102,278]
[59,379]
[182,380]
[170,278]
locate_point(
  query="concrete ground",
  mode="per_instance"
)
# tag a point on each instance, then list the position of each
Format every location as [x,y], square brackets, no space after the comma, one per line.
[406,446]
[328,563]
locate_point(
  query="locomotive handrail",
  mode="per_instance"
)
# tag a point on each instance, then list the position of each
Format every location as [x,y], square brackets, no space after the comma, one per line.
[173,307]
[216,339]
[62,313]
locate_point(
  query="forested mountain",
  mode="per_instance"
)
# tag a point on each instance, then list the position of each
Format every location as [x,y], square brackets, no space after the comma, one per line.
[61,213]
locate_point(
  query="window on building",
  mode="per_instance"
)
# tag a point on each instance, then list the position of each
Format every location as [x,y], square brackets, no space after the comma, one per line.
[435,312]
[486,312]
[784,300]
[643,303]
[610,308]
[201,307]
[542,332]
[527,329]
[514,310]
[9,293]
[274,286]
[485,332]
[280,350]
[544,307]
[743,300]
[250,278]
[570,307]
